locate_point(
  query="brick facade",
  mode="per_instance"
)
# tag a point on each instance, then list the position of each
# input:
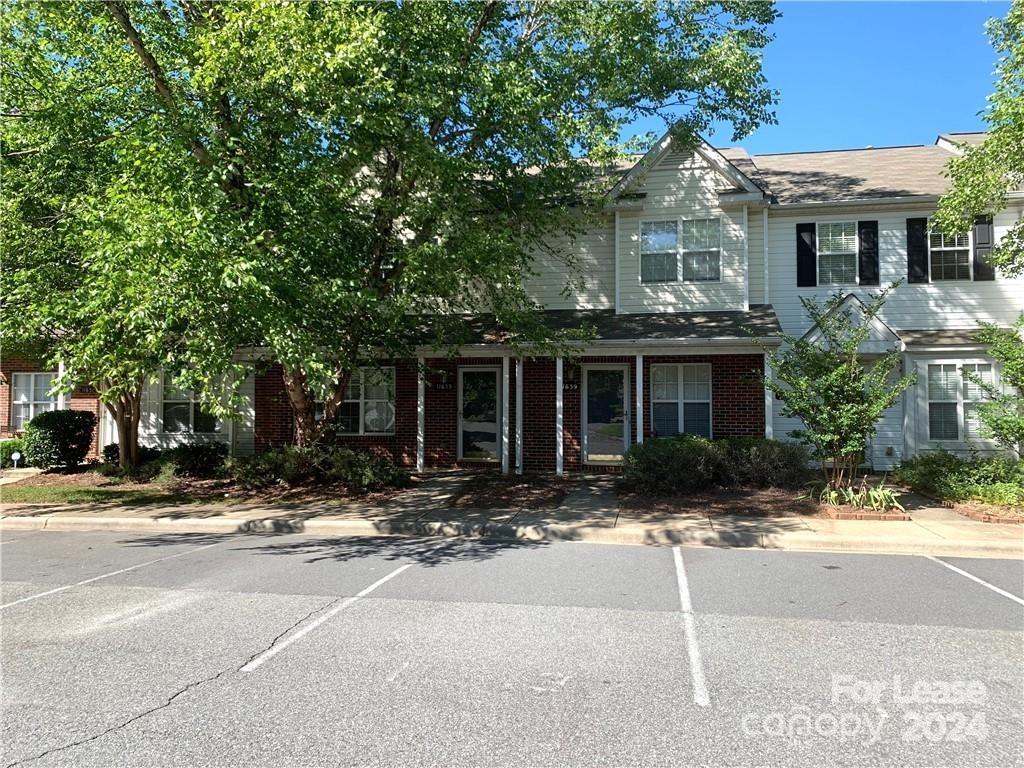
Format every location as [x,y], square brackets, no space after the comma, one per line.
[737,406]
[81,399]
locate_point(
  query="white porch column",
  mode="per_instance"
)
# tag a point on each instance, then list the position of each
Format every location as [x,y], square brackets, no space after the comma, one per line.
[61,397]
[769,403]
[639,417]
[504,413]
[519,415]
[421,414]
[558,418]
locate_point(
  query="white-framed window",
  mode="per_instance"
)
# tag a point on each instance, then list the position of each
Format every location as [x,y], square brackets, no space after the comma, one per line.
[701,244]
[953,399]
[369,404]
[837,253]
[182,413]
[681,399]
[659,249]
[974,394]
[949,256]
[30,396]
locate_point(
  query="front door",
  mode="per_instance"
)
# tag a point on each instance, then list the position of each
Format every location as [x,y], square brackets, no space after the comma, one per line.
[605,414]
[479,414]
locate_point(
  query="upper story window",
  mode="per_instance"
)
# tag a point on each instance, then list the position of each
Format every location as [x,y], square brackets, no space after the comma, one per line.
[837,253]
[694,242]
[701,245]
[183,413]
[30,396]
[659,246]
[949,256]
[369,404]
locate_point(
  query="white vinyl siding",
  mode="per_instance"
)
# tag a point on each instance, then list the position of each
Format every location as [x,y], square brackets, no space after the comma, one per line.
[949,257]
[576,272]
[681,399]
[683,187]
[30,396]
[369,404]
[837,253]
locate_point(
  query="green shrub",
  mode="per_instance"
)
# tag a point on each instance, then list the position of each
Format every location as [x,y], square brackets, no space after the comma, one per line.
[685,464]
[994,480]
[59,438]
[358,471]
[7,447]
[112,454]
[198,459]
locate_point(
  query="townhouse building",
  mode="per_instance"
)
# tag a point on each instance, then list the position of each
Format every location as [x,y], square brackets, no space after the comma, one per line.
[699,258]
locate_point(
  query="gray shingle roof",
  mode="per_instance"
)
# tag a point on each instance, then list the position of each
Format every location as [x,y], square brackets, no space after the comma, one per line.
[855,174]
[759,322]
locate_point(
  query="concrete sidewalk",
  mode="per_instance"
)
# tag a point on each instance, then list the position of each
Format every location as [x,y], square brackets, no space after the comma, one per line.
[581,518]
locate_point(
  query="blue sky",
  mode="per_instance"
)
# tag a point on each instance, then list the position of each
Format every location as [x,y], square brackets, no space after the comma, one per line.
[854,74]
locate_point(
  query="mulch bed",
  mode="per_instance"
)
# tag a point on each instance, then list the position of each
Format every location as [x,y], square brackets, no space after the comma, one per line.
[490,491]
[987,513]
[751,502]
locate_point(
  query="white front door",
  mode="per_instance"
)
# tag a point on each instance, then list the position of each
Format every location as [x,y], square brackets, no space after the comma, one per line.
[606,422]
[479,414]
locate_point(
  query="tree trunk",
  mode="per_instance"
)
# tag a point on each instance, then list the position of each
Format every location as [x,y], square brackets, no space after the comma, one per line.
[303,407]
[126,411]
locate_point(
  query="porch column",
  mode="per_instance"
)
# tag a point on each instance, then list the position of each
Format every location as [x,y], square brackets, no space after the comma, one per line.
[504,414]
[421,414]
[519,415]
[639,417]
[61,397]
[558,417]
[769,403]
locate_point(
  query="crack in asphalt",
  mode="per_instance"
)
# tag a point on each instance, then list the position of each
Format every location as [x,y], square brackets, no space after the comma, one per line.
[175,695]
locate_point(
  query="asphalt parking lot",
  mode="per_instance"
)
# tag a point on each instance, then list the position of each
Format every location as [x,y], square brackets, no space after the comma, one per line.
[193,649]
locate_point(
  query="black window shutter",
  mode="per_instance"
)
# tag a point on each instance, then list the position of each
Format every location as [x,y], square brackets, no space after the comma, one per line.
[867,234]
[983,242]
[917,250]
[806,255]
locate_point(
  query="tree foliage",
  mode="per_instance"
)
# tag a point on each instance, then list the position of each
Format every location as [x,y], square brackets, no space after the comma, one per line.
[313,179]
[1002,414]
[986,172]
[837,392]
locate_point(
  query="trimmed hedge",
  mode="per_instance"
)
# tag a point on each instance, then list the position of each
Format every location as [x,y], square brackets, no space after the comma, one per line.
[358,471]
[59,438]
[686,464]
[7,447]
[201,460]
[994,480]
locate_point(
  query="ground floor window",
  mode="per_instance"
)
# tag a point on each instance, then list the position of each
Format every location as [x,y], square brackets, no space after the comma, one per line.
[30,396]
[681,399]
[953,398]
[369,404]
[182,413]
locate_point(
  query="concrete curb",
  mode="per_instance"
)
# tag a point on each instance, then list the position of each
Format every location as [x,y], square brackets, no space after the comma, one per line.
[797,540]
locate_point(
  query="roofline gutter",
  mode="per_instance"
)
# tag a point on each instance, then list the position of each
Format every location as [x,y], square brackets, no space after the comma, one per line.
[887,201]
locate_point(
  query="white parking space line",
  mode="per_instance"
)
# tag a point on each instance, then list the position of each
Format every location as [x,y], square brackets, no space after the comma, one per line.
[700,685]
[275,649]
[972,577]
[108,575]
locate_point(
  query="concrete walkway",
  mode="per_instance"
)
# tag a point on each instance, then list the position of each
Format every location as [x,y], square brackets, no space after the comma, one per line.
[588,513]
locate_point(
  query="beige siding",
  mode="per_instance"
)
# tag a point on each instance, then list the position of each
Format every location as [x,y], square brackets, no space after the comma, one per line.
[755,260]
[681,186]
[580,273]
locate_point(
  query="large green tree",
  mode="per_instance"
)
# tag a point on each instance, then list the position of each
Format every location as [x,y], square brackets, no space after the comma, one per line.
[327,173]
[986,173]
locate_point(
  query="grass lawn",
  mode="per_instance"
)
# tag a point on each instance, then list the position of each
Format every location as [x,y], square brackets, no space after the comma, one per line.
[17,493]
